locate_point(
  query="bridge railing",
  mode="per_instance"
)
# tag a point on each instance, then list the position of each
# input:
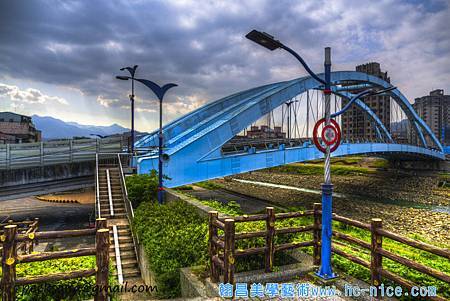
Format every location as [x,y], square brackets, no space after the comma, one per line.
[56,152]
[223,252]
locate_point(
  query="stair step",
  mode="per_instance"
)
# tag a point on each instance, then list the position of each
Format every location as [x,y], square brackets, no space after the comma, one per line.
[127,263]
[116,215]
[129,273]
[122,239]
[123,254]
[124,247]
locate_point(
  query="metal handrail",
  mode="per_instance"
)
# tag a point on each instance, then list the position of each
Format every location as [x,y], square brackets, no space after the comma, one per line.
[129,209]
[124,187]
[97,188]
[108,182]
[117,254]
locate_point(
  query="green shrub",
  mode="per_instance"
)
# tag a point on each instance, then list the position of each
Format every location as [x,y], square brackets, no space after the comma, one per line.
[142,188]
[173,236]
[72,289]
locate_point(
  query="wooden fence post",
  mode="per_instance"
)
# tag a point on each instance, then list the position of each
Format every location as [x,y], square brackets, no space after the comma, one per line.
[375,258]
[102,260]
[35,241]
[228,258]
[212,249]
[316,233]
[9,262]
[270,234]
[100,223]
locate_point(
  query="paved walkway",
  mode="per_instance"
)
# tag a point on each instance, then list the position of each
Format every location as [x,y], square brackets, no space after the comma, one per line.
[52,216]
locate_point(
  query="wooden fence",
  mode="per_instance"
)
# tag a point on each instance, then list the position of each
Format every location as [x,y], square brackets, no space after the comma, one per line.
[23,227]
[222,251]
[11,239]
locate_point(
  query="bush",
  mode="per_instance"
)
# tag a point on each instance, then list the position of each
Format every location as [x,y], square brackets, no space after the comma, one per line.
[173,236]
[142,188]
[72,289]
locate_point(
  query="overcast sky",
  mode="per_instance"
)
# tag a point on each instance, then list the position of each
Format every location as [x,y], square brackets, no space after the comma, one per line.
[59,58]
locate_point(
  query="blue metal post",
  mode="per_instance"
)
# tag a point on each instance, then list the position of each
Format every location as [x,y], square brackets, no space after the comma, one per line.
[325,271]
[160,153]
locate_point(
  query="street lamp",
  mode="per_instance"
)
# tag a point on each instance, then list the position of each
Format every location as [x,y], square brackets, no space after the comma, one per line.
[132,71]
[269,42]
[159,92]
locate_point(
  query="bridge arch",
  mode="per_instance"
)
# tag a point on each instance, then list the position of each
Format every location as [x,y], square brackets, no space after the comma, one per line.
[194,140]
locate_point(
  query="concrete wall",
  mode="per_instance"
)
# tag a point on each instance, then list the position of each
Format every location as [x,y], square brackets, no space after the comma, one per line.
[30,175]
[147,275]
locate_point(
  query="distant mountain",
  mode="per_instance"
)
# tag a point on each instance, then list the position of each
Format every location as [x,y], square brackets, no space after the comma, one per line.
[53,128]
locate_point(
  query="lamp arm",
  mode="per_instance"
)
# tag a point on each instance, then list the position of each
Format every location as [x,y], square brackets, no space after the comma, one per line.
[300,59]
[359,95]
[352,100]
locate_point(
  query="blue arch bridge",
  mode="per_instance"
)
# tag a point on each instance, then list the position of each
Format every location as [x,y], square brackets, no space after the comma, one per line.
[204,144]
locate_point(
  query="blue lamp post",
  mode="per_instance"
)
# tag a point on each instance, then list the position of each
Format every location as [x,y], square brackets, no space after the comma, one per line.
[132,71]
[159,92]
[270,43]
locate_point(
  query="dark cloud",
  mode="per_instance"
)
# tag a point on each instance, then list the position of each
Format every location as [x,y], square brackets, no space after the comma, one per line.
[200,45]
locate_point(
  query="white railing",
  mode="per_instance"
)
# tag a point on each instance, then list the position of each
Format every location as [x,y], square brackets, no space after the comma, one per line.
[128,206]
[56,152]
[124,188]
[117,252]
[108,181]
[97,188]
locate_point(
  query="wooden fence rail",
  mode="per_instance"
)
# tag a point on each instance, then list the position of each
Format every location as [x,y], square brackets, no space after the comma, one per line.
[222,252]
[27,227]
[11,239]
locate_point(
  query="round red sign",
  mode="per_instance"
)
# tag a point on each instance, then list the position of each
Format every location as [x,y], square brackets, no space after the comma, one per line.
[330,135]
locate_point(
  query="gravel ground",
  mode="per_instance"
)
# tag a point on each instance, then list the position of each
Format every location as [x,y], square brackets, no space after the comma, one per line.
[432,226]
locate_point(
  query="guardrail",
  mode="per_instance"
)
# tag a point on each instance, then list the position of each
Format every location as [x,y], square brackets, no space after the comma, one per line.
[56,152]
[10,258]
[222,251]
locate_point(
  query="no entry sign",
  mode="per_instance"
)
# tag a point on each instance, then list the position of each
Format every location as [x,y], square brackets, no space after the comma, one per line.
[330,135]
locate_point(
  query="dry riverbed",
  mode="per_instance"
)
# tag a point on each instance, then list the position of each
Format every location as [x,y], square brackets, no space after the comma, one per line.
[421,224]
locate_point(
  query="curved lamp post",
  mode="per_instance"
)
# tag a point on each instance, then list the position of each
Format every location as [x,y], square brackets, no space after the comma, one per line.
[159,92]
[268,41]
[132,71]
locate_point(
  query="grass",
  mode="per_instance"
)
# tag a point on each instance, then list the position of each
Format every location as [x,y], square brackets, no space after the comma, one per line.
[422,257]
[350,268]
[209,185]
[317,169]
[352,165]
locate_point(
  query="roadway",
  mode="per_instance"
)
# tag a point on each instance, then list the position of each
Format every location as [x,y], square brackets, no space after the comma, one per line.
[21,191]
[52,216]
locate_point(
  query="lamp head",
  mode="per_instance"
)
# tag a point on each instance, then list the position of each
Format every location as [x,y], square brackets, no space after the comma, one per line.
[264,39]
[122,77]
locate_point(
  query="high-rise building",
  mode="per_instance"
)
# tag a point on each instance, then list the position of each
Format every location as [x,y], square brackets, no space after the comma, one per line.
[355,122]
[434,109]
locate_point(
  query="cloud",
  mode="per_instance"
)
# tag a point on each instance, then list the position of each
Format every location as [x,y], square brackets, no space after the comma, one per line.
[109,102]
[30,95]
[202,48]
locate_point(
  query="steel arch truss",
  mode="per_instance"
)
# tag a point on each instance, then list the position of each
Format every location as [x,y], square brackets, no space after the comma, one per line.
[193,142]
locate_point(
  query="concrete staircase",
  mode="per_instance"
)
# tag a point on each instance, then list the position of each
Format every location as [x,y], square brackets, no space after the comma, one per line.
[118,218]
